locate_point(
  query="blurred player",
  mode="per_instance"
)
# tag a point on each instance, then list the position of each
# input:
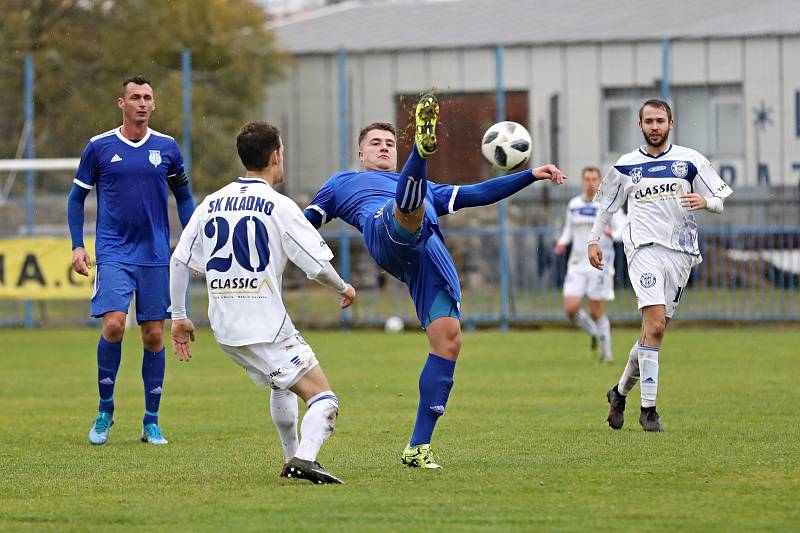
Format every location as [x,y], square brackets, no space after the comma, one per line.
[132,167]
[663,184]
[398,215]
[582,280]
[242,236]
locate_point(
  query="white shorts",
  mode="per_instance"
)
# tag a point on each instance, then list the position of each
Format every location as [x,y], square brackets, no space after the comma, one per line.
[659,275]
[277,364]
[587,281]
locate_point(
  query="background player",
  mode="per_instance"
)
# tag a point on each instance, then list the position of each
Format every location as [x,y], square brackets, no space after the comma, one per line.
[662,184]
[581,279]
[242,236]
[131,166]
[398,215]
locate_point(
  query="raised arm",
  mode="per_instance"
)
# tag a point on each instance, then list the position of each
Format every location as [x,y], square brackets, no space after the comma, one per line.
[496,189]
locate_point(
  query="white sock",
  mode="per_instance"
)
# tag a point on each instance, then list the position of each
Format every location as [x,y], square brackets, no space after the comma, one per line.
[648,366]
[318,424]
[631,373]
[585,322]
[604,335]
[284,411]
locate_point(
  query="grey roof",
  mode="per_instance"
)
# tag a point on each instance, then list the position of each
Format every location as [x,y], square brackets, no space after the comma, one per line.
[420,24]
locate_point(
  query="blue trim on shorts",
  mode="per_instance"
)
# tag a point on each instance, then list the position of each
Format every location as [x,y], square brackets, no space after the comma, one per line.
[443,306]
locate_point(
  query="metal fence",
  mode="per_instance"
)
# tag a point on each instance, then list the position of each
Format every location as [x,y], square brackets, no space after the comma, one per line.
[748,275]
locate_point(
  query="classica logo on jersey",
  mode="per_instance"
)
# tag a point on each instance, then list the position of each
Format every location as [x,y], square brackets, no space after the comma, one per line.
[238,285]
[662,189]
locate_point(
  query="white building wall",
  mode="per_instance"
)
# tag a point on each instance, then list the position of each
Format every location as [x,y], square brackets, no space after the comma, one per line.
[306,102]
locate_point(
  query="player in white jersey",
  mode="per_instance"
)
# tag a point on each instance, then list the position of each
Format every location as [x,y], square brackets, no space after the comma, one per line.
[663,184]
[242,237]
[581,279]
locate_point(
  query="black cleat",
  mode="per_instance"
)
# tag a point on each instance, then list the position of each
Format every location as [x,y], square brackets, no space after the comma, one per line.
[616,408]
[309,470]
[650,420]
[593,345]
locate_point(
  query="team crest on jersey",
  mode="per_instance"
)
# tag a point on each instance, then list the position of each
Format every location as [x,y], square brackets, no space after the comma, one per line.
[155,157]
[636,175]
[647,280]
[680,169]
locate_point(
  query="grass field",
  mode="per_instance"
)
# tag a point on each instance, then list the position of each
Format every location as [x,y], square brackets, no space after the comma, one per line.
[524,442]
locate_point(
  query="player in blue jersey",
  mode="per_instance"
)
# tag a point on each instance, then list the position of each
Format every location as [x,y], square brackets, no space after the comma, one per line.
[398,215]
[132,168]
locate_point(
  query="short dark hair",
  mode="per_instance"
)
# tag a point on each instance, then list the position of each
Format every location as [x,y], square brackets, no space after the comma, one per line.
[590,169]
[138,80]
[655,102]
[385,126]
[256,142]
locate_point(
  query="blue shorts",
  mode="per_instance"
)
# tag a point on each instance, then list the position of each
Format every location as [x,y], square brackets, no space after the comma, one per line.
[115,284]
[420,260]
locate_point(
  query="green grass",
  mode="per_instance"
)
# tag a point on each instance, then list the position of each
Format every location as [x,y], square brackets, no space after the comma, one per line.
[524,442]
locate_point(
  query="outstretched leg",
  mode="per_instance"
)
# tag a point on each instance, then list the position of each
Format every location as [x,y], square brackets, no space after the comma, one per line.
[412,183]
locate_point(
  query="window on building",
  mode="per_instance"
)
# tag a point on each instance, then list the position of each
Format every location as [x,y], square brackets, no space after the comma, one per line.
[708,118]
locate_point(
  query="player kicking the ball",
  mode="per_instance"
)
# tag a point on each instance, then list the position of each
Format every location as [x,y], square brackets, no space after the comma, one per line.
[663,184]
[398,215]
[242,236]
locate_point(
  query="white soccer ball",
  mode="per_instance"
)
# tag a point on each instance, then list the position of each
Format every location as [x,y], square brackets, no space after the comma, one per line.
[507,145]
[394,324]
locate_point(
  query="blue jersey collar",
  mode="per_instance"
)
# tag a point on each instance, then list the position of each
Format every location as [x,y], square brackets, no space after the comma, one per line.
[253,180]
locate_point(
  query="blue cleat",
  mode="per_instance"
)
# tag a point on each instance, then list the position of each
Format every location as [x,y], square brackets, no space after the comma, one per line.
[151,434]
[102,425]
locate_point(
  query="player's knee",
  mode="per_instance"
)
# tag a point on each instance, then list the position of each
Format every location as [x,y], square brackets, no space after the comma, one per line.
[655,329]
[113,329]
[153,339]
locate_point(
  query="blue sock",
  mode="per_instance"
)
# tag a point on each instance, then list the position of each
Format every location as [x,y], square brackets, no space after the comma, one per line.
[153,365]
[435,383]
[412,183]
[109,355]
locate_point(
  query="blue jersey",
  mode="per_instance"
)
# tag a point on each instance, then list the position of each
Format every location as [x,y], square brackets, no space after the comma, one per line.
[132,190]
[356,196]
[365,200]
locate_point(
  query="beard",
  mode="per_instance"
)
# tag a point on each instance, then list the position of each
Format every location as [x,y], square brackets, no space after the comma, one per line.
[660,144]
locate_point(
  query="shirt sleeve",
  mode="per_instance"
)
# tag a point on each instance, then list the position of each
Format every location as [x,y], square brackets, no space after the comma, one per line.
[176,163]
[324,203]
[86,175]
[303,244]
[444,197]
[190,246]
[611,194]
[707,182]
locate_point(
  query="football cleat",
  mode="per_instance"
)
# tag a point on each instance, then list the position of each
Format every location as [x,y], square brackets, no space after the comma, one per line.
[649,420]
[616,408]
[425,116]
[309,470]
[102,425]
[420,456]
[151,434]
[593,346]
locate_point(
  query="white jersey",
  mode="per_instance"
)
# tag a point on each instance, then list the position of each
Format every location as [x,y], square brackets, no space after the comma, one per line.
[577,226]
[242,236]
[652,186]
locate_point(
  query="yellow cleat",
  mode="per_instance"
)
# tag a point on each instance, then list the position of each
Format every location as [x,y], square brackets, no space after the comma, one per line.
[420,456]
[426,115]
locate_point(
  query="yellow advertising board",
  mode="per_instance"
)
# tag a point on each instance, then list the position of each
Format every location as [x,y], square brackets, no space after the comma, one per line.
[41,269]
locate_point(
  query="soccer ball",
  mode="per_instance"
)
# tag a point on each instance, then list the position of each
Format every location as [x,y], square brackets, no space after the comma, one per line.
[394,324]
[507,145]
